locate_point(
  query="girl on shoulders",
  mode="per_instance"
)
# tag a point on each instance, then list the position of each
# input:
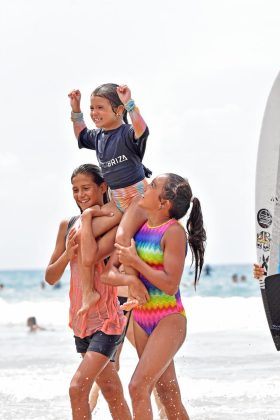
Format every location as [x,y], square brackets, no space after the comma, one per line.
[119,148]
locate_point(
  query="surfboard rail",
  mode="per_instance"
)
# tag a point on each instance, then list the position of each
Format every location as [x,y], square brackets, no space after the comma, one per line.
[267,196]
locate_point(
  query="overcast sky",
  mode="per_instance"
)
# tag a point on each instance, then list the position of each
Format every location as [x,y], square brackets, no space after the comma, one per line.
[199,70]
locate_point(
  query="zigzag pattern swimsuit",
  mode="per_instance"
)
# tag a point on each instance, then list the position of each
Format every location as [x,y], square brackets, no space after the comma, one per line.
[160,304]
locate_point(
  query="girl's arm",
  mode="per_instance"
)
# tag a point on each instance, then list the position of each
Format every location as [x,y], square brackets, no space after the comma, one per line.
[76,115]
[114,277]
[174,246]
[137,120]
[61,255]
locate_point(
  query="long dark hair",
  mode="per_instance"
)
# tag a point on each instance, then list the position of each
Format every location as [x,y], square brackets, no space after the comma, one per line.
[96,176]
[109,91]
[178,191]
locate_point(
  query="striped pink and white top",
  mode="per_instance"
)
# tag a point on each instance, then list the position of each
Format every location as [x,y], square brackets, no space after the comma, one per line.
[105,316]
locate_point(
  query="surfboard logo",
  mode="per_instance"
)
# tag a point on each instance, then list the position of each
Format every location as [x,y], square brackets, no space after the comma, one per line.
[263,241]
[264,218]
[265,264]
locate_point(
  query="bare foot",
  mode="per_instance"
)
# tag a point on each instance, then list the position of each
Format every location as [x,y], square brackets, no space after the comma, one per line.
[88,300]
[129,305]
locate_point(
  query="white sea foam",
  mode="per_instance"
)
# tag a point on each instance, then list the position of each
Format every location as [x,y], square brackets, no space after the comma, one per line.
[218,314]
[203,313]
[47,312]
[227,367]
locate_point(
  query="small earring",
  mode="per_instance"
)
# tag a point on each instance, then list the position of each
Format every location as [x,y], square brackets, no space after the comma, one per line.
[117,115]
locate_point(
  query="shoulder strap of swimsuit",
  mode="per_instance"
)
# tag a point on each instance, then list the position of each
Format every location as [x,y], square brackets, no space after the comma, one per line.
[71,223]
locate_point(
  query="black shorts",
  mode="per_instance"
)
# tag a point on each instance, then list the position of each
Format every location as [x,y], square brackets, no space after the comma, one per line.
[100,343]
[122,300]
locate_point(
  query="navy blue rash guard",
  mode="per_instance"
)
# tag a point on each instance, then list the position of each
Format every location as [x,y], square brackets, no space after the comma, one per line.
[118,153]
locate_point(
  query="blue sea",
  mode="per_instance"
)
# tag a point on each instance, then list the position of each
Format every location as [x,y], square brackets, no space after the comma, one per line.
[25,285]
[228,367]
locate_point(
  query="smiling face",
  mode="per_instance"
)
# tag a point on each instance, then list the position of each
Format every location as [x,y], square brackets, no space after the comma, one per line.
[103,115]
[86,192]
[152,199]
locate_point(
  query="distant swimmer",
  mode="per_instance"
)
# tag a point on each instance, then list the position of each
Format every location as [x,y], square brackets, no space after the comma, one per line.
[234,278]
[57,285]
[32,324]
[207,270]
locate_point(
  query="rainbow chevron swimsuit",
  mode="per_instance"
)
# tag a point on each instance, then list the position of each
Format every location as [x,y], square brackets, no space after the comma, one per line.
[160,304]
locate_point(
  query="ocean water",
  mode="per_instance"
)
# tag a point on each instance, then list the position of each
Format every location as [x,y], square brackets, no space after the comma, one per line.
[228,367]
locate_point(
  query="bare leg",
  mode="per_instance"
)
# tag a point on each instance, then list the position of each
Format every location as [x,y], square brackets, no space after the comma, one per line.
[133,218]
[89,295]
[160,406]
[93,396]
[88,253]
[81,383]
[169,393]
[156,353]
[130,337]
[111,388]
[95,366]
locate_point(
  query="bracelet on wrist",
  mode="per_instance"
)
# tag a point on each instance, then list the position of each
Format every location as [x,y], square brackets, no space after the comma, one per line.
[77,116]
[130,105]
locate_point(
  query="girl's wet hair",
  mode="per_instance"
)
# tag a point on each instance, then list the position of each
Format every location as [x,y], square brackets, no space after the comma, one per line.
[94,172]
[178,191]
[109,91]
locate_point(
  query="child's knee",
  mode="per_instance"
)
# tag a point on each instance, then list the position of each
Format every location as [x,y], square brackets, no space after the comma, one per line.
[121,237]
[88,261]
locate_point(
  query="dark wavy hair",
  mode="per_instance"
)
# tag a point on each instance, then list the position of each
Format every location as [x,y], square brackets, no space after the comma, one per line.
[109,91]
[96,176]
[178,191]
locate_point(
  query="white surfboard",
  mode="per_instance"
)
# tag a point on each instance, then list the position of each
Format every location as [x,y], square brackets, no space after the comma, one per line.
[268,210]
